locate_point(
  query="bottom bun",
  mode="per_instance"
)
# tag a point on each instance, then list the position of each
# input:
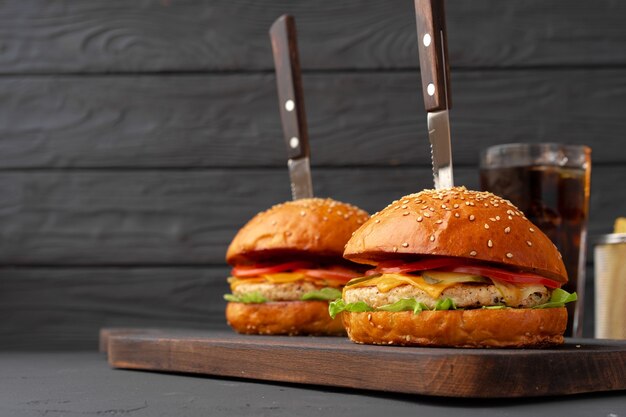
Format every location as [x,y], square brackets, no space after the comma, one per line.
[283,317]
[459,328]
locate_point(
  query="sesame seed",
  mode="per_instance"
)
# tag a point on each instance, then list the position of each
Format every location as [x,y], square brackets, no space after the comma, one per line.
[274,223]
[507,230]
[325,218]
[407,338]
[419,219]
[486,226]
[426,214]
[497,217]
[492,219]
[471,218]
[510,218]
[443,206]
[303,213]
[529,243]
[346,216]
[486,205]
[431,209]
[339,213]
[456,206]
[395,249]
[531,230]
[490,243]
[406,213]
[405,245]
[467,203]
[496,205]
[509,255]
[405,202]
[457,215]
[473,253]
[404,206]
[432,238]
[377,221]
[439,221]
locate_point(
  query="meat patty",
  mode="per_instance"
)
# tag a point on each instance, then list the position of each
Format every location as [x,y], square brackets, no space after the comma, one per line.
[290,291]
[463,295]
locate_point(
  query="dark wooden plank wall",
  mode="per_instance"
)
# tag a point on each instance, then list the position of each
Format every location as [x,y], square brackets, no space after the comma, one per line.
[136,137]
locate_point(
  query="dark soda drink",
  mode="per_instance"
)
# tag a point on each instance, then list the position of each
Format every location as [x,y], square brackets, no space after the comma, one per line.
[556,200]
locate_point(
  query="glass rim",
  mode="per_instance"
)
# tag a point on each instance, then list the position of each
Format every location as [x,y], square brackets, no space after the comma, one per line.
[609,239]
[545,146]
[581,152]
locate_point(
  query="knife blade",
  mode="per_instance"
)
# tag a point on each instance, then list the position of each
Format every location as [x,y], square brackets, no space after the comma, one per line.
[291,105]
[435,74]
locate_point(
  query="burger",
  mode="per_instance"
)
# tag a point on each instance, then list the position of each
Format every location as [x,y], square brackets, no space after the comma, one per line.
[287,266]
[455,268]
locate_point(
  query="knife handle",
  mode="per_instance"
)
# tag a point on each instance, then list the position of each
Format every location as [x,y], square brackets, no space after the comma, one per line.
[433,52]
[289,82]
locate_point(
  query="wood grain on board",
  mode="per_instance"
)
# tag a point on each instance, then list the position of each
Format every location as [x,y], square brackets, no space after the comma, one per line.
[578,366]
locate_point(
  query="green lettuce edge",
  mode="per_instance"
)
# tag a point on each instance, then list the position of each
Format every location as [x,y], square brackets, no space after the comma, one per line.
[255,297]
[325,294]
[406,304]
[558,299]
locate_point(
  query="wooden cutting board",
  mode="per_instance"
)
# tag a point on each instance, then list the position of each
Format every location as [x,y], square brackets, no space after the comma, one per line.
[579,366]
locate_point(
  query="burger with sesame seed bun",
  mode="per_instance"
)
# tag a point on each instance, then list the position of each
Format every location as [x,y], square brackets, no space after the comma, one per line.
[287,266]
[455,268]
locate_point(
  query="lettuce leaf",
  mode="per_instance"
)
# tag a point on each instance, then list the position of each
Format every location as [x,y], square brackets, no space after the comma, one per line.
[406,304]
[327,294]
[339,305]
[254,297]
[445,304]
[558,299]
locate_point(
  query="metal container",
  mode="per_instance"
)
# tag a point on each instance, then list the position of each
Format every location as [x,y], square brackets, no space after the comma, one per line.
[610,286]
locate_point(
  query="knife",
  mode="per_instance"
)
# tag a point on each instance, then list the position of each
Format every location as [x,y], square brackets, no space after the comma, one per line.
[291,104]
[433,53]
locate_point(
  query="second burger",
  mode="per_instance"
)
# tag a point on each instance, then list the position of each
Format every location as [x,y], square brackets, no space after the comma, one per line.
[287,264]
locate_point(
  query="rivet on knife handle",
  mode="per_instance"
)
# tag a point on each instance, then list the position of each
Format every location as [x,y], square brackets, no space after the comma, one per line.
[289,82]
[433,52]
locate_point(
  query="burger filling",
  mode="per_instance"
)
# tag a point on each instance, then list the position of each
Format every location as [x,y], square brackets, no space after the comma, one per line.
[388,289]
[292,281]
[452,285]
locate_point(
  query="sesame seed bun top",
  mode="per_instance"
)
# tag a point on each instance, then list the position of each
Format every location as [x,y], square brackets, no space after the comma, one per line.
[310,227]
[456,222]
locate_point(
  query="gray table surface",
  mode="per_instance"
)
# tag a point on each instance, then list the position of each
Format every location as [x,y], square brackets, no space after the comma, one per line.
[82,384]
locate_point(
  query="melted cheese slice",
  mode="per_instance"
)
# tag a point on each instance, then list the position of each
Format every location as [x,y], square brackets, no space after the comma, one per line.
[387,282]
[514,294]
[281,278]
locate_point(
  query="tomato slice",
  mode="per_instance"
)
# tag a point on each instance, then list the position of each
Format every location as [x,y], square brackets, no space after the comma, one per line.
[503,275]
[256,270]
[399,267]
[339,274]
